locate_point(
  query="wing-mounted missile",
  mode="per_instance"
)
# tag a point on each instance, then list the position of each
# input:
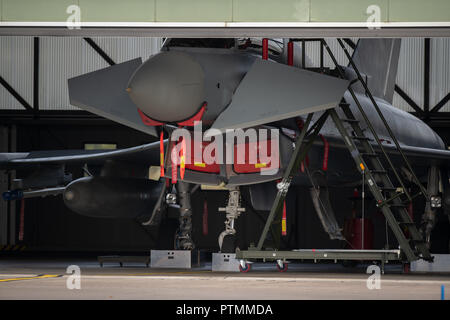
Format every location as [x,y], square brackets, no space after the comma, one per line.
[271,92]
[103,92]
[103,197]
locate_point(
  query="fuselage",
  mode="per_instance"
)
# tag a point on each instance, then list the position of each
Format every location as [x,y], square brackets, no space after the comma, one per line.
[173,85]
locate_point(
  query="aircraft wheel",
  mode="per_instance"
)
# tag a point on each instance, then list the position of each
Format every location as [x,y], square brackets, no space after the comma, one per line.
[282,266]
[247,267]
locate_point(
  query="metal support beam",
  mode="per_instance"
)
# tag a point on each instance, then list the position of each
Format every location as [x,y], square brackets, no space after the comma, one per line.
[426,95]
[36,77]
[301,150]
[321,254]
[350,43]
[441,104]
[408,100]
[100,51]
[15,94]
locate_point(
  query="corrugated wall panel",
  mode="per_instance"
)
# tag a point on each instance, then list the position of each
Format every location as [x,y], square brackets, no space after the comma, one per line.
[313,52]
[63,58]
[16,63]
[440,72]
[125,49]
[410,75]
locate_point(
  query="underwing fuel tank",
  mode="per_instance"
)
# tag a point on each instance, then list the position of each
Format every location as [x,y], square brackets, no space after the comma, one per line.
[102,197]
[169,87]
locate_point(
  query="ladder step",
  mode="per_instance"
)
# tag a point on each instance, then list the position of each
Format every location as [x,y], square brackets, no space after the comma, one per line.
[350,120]
[388,188]
[361,138]
[397,205]
[369,154]
[418,241]
[379,171]
[407,223]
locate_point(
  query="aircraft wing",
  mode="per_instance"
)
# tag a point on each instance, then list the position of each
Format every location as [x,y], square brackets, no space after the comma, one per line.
[417,156]
[147,154]
[271,92]
[423,156]
[103,92]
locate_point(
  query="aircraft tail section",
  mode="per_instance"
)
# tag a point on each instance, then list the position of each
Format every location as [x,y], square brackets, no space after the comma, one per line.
[377,61]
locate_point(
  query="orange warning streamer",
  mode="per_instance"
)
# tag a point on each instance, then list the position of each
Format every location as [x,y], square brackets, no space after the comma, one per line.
[182,158]
[161,152]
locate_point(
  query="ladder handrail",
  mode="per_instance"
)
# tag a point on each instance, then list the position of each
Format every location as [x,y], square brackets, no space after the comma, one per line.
[408,244]
[377,108]
[366,119]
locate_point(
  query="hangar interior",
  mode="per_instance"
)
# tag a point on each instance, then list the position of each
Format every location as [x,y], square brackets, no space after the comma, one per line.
[35,114]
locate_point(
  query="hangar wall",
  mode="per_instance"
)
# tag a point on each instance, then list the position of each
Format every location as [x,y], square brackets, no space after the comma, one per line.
[51,226]
[60,59]
[65,57]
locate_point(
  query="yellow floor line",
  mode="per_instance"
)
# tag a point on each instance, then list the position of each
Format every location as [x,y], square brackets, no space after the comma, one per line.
[167,273]
[44,276]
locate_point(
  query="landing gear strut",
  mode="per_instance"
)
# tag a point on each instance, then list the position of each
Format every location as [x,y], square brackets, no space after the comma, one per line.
[183,237]
[429,216]
[233,211]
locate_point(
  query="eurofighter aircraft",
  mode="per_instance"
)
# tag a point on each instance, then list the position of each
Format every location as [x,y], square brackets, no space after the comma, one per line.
[195,93]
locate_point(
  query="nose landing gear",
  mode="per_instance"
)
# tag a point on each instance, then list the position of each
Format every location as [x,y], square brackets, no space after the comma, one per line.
[233,211]
[183,237]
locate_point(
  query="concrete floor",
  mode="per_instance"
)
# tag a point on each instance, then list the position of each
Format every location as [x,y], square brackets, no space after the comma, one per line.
[46,279]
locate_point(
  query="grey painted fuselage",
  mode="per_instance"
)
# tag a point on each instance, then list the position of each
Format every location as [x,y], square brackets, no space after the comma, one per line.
[225,68]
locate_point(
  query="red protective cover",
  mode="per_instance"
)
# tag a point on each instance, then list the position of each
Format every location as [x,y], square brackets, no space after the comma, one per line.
[252,148]
[200,167]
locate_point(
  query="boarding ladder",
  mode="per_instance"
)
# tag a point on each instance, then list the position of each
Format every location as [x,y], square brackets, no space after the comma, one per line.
[391,199]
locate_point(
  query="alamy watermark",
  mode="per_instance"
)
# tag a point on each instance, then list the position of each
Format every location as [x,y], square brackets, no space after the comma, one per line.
[74,19]
[257,148]
[74,280]
[374,280]
[374,17]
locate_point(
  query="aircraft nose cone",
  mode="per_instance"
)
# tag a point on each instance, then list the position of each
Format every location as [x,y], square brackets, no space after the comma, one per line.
[169,87]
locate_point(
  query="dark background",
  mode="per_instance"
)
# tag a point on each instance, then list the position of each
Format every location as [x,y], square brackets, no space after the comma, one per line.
[51,227]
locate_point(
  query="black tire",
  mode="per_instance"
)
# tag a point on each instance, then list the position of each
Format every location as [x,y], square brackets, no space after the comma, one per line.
[282,269]
[246,269]
[229,244]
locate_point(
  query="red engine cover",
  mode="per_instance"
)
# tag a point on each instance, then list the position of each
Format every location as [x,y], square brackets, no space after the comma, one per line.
[252,153]
[200,166]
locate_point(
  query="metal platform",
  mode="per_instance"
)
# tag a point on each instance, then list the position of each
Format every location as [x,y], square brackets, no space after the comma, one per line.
[179,259]
[441,264]
[123,259]
[321,254]
[225,262]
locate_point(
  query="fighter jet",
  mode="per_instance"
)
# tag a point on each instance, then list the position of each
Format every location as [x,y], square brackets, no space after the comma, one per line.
[195,93]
